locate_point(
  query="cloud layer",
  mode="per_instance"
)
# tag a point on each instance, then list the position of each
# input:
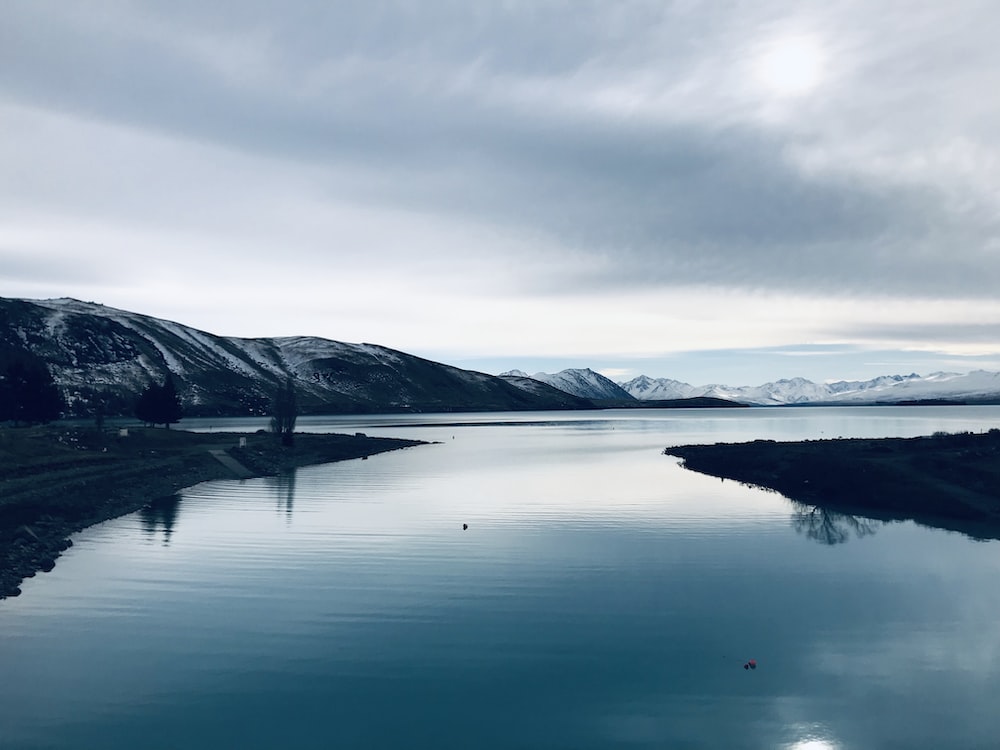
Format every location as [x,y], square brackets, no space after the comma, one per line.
[557,172]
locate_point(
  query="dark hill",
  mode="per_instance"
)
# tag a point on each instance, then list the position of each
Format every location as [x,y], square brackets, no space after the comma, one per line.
[696,402]
[101,354]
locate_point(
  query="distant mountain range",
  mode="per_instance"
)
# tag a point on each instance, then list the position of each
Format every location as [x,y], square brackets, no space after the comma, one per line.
[102,355]
[974,387]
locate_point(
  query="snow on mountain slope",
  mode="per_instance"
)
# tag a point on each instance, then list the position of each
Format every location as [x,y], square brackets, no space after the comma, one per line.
[96,351]
[537,387]
[659,389]
[977,385]
[584,383]
[791,391]
[100,353]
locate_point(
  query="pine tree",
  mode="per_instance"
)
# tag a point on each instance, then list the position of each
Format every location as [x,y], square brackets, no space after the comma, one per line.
[145,405]
[28,394]
[170,409]
[159,404]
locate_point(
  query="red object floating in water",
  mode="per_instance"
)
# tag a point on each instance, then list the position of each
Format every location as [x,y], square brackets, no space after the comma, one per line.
[752,663]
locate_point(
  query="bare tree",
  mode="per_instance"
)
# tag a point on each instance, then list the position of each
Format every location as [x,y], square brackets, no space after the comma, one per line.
[28,394]
[828,526]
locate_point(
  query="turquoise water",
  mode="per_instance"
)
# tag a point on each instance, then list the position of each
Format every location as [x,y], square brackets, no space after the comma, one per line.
[602,597]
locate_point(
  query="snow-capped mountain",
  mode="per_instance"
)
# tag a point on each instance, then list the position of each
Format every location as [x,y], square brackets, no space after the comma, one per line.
[584,383]
[974,386]
[886,389]
[101,353]
[978,385]
[658,389]
[546,391]
[97,353]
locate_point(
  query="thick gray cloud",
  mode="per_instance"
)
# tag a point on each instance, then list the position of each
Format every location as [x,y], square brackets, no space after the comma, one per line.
[635,145]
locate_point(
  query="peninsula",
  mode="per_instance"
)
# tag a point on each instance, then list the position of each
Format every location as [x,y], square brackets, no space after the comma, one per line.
[58,479]
[949,481]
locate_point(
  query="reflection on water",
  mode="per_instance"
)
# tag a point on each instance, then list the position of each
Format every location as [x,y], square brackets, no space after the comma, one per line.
[601,597]
[829,526]
[283,487]
[161,513]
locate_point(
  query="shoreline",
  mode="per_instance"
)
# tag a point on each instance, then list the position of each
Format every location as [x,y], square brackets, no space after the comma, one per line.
[947,481]
[58,479]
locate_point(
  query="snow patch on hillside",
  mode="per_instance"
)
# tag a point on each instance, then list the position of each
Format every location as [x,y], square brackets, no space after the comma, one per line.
[579,382]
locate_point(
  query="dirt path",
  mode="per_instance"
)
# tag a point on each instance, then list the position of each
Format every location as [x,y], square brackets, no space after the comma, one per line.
[239,470]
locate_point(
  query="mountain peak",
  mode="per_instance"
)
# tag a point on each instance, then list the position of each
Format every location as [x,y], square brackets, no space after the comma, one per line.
[585,383]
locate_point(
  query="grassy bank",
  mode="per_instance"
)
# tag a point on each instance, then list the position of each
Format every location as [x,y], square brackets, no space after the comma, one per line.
[949,481]
[56,480]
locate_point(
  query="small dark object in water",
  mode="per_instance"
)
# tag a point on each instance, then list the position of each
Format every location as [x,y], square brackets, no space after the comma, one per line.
[465,527]
[747,665]
[752,663]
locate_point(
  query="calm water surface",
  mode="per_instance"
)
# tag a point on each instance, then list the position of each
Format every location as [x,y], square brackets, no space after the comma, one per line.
[602,597]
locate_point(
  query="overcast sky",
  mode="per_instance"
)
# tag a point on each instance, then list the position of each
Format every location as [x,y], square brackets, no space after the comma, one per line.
[713,191]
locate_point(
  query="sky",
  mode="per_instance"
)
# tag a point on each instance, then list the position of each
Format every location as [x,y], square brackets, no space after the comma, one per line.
[715,192]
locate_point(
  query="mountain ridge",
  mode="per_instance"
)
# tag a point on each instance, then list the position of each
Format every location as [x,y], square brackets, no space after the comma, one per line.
[978,386]
[102,357]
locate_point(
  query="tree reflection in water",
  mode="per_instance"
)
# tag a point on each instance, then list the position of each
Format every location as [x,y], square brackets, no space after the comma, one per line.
[161,512]
[828,526]
[284,491]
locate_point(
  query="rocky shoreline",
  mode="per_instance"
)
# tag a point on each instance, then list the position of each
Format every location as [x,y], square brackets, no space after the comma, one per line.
[949,481]
[57,480]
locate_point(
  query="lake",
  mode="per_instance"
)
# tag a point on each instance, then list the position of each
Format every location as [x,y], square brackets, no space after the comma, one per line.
[601,597]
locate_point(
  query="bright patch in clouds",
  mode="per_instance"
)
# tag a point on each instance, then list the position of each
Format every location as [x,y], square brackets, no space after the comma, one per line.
[791,65]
